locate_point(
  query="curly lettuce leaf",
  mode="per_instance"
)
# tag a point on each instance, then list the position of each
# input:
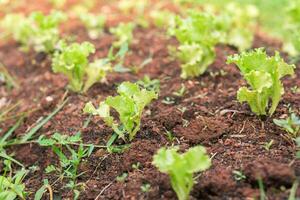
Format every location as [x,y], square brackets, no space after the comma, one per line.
[129,104]
[263,74]
[195,59]
[180,167]
[72,60]
[95,72]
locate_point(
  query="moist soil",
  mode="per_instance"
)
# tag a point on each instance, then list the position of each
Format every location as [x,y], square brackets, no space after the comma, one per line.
[207,114]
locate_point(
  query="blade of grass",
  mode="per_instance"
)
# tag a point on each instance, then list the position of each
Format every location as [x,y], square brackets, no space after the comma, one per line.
[261,189]
[7,110]
[7,157]
[10,131]
[32,131]
[293,192]
[11,81]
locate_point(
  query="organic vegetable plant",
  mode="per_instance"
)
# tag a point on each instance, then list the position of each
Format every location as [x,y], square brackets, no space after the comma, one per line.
[181,167]
[292,28]
[162,18]
[238,24]
[197,35]
[290,124]
[263,74]
[129,104]
[123,33]
[72,61]
[37,30]
[93,23]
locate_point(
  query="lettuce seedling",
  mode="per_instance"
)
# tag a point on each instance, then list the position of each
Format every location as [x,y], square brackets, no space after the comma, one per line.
[181,167]
[37,30]
[292,29]
[123,33]
[96,72]
[72,61]
[93,23]
[162,18]
[290,125]
[129,104]
[238,24]
[195,59]
[197,35]
[263,74]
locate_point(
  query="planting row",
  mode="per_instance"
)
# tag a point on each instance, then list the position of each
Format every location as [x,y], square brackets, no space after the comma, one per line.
[197,33]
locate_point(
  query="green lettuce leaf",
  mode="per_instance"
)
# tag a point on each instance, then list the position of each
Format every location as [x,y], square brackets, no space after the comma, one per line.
[180,167]
[263,74]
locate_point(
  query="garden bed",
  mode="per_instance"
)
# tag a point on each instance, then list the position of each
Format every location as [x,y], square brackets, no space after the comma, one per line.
[208,114]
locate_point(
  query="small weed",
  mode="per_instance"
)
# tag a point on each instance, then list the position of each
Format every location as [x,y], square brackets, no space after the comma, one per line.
[146,187]
[268,145]
[168,100]
[238,175]
[68,168]
[180,92]
[122,177]
[291,124]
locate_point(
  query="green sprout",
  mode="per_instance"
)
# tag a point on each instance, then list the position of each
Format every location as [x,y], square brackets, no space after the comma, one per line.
[263,74]
[162,18]
[238,22]
[123,33]
[12,186]
[292,28]
[93,23]
[180,167]
[290,124]
[197,35]
[69,165]
[129,104]
[72,61]
[37,30]
[149,84]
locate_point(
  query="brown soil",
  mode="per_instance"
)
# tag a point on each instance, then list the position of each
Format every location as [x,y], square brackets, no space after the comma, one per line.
[207,114]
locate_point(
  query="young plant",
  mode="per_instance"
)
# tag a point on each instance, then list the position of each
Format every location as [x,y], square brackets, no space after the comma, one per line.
[162,18]
[197,35]
[290,124]
[11,186]
[37,30]
[263,74]
[68,168]
[181,167]
[93,23]
[148,84]
[292,28]
[129,104]
[72,61]
[46,186]
[123,33]
[238,24]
